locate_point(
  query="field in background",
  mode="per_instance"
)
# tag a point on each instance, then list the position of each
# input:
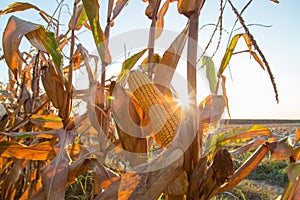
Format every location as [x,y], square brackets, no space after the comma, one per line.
[269,179]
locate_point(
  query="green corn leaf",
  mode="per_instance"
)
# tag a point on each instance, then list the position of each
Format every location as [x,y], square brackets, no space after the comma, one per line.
[92,9]
[77,21]
[129,63]
[237,135]
[210,73]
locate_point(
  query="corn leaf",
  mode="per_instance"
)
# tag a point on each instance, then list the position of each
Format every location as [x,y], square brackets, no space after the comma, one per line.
[292,190]
[12,36]
[210,73]
[211,108]
[249,146]
[40,134]
[77,21]
[16,7]
[228,53]
[9,186]
[165,70]
[237,135]
[160,19]
[282,149]
[55,174]
[296,154]
[258,60]
[230,49]
[37,36]
[54,87]
[155,59]
[47,121]
[120,4]
[244,170]
[46,41]
[129,63]
[297,135]
[42,151]
[225,94]
[92,9]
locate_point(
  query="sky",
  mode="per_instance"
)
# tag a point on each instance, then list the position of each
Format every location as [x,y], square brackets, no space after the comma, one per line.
[248,87]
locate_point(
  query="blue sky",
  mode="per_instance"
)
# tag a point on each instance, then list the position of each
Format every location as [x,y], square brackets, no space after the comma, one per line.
[249,90]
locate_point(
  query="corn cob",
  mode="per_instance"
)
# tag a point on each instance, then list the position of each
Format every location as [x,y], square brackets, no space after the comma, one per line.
[164,118]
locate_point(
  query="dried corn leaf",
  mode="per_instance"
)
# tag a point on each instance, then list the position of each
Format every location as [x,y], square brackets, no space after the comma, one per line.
[120,4]
[297,135]
[16,7]
[10,185]
[54,87]
[47,121]
[41,151]
[282,149]
[55,174]
[292,191]
[244,170]
[225,94]
[296,154]
[160,19]
[36,34]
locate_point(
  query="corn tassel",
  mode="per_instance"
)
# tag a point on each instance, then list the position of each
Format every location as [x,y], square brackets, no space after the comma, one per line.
[164,118]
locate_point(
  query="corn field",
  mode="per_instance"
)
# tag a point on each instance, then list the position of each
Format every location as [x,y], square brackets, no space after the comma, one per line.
[129,130]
